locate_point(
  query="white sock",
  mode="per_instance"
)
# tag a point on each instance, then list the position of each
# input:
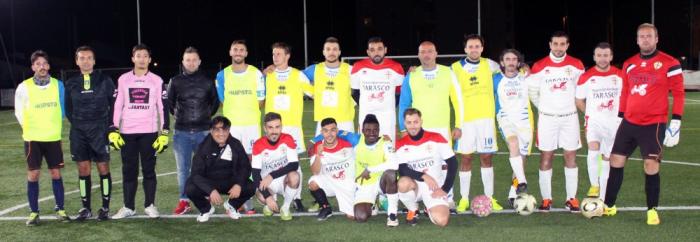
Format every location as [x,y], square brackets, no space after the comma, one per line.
[571,176]
[409,200]
[546,184]
[516,163]
[465,178]
[393,206]
[511,192]
[592,162]
[487,179]
[605,172]
[301,178]
[289,194]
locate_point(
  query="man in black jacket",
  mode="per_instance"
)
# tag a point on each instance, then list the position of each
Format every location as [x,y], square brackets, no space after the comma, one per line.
[220,165]
[193,100]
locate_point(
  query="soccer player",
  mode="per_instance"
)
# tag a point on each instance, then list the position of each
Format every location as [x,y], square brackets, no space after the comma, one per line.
[478,133]
[552,84]
[89,108]
[514,116]
[333,168]
[647,79]
[332,93]
[193,100]
[376,84]
[220,165]
[39,110]
[421,155]
[598,96]
[275,164]
[141,126]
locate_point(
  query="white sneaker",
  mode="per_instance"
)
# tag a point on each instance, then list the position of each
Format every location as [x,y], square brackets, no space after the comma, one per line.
[203,217]
[231,212]
[123,212]
[375,210]
[151,211]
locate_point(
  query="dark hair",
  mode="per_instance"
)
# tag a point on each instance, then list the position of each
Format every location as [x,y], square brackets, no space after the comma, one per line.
[513,51]
[332,40]
[271,116]
[83,48]
[375,39]
[559,34]
[281,45]
[39,54]
[191,50]
[220,120]
[411,111]
[604,45]
[370,119]
[327,121]
[140,47]
[472,37]
[239,42]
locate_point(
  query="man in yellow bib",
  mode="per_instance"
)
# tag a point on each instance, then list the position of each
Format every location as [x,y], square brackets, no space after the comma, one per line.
[39,110]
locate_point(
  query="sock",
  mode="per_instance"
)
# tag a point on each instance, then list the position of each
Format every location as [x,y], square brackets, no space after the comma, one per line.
[652,188]
[57,185]
[546,184]
[289,194]
[487,180]
[465,178]
[85,184]
[33,195]
[516,163]
[511,192]
[320,197]
[592,163]
[603,179]
[106,189]
[571,176]
[393,203]
[409,200]
[614,184]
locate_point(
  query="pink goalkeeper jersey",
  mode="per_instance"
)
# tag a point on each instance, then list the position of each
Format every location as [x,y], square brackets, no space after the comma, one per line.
[138,107]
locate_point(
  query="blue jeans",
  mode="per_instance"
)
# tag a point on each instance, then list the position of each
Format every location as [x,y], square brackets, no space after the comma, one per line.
[184,145]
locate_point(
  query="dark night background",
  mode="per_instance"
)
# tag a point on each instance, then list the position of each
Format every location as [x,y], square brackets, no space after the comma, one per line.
[110,26]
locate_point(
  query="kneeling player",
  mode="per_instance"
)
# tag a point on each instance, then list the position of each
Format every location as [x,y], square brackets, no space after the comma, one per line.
[420,156]
[275,164]
[333,168]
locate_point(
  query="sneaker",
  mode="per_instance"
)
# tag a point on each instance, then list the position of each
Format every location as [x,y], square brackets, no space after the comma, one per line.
[267,211]
[463,205]
[392,220]
[62,216]
[594,191]
[182,207]
[231,212]
[103,214]
[285,214]
[324,213]
[204,217]
[298,205]
[33,219]
[495,206]
[610,211]
[521,188]
[123,212]
[375,210]
[412,218]
[546,205]
[314,208]
[83,214]
[151,211]
[572,205]
[653,217]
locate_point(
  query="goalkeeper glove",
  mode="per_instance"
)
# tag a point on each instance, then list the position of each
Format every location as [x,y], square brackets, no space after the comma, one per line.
[115,139]
[161,143]
[673,133]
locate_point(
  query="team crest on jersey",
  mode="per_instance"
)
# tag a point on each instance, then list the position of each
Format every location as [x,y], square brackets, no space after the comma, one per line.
[388,75]
[657,65]
[546,71]
[592,80]
[429,149]
[568,71]
[644,64]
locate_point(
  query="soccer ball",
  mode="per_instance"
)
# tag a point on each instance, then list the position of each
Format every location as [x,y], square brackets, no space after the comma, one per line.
[524,204]
[592,207]
[481,206]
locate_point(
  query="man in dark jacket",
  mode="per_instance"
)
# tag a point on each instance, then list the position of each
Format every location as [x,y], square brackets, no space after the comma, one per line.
[220,165]
[193,100]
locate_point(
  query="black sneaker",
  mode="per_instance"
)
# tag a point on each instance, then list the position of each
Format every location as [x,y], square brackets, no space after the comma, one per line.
[453,211]
[324,213]
[511,202]
[299,206]
[522,188]
[83,214]
[103,214]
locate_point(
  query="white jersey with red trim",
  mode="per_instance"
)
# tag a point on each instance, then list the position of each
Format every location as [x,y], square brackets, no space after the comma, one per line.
[377,84]
[268,157]
[337,163]
[552,84]
[601,91]
[425,155]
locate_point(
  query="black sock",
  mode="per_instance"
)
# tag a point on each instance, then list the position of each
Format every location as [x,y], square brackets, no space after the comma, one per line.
[320,197]
[652,186]
[614,184]
[106,189]
[85,184]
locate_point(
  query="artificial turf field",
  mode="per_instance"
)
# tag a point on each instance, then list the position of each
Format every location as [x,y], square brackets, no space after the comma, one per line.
[680,204]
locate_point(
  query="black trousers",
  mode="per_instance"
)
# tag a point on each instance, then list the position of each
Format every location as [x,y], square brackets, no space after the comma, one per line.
[138,147]
[200,197]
